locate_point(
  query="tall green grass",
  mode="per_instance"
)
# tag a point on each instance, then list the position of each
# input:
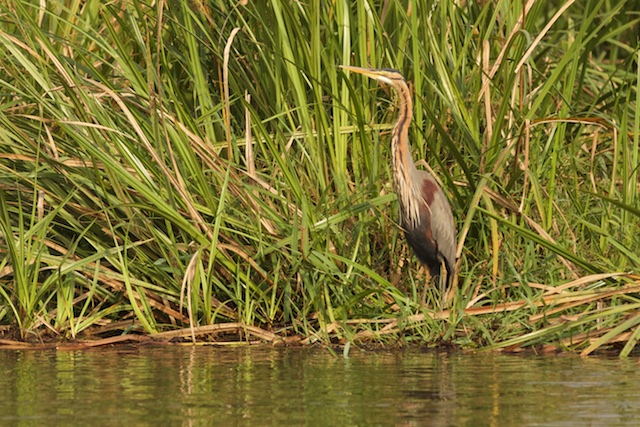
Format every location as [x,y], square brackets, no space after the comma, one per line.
[174,165]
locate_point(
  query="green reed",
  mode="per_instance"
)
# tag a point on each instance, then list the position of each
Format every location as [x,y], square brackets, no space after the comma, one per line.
[188,164]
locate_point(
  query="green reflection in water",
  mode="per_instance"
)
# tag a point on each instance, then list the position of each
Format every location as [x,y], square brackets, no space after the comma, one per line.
[257,386]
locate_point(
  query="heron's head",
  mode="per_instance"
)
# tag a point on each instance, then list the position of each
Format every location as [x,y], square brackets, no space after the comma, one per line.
[387,76]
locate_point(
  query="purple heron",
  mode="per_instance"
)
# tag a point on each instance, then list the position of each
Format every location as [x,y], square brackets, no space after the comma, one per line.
[425,213]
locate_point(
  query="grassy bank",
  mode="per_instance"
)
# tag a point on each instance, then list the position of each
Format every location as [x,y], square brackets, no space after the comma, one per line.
[205,170]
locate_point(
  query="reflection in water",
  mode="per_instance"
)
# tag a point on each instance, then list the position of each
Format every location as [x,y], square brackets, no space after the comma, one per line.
[197,386]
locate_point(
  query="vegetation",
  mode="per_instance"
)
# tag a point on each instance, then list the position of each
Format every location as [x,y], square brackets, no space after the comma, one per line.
[205,170]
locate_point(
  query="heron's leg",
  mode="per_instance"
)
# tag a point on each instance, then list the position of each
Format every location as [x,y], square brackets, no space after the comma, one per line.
[435,277]
[427,280]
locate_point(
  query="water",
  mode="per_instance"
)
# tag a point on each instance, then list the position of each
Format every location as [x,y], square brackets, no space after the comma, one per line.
[204,386]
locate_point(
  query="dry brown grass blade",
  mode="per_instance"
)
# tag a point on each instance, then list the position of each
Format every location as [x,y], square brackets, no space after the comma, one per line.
[220,328]
[542,33]
[245,256]
[488,111]
[572,301]
[118,285]
[176,180]
[515,30]
[537,227]
[187,284]
[566,301]
[112,340]
[225,83]
[205,152]
[587,279]
[71,346]
[248,145]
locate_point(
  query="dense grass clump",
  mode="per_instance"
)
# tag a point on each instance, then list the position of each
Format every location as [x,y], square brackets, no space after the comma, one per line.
[205,170]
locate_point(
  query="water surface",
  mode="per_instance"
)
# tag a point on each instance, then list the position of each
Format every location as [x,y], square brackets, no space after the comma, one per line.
[203,386]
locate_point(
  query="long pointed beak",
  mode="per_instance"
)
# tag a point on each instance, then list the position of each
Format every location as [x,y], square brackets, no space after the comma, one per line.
[369,72]
[382,75]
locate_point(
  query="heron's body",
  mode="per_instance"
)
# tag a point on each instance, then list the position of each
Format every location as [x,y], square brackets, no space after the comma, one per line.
[433,238]
[425,213]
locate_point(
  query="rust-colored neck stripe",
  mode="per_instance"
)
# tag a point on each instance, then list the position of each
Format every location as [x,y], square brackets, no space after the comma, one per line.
[403,166]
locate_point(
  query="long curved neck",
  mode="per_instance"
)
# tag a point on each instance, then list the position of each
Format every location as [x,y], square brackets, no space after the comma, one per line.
[404,168]
[402,160]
